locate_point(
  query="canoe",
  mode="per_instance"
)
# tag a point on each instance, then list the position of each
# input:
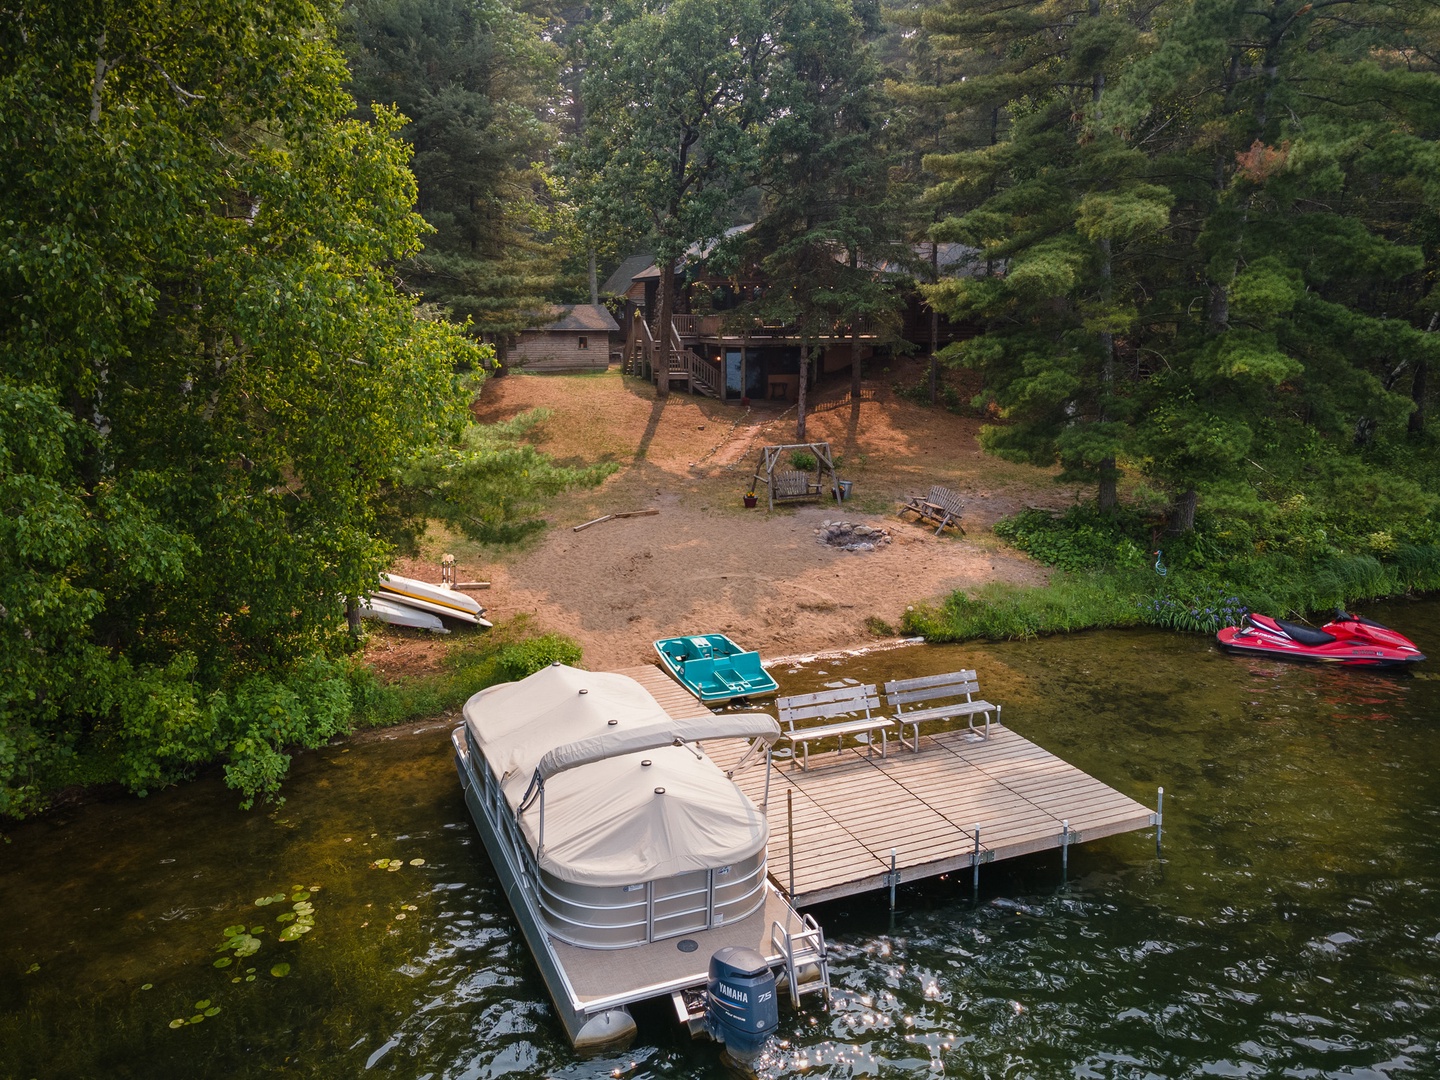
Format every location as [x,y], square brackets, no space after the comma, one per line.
[409,590]
[714,668]
[377,607]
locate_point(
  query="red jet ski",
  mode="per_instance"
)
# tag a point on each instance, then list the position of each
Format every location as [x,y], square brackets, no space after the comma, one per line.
[1346,639]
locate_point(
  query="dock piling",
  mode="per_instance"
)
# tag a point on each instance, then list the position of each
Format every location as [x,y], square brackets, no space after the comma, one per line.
[1064,850]
[1159,819]
[894,877]
[975,865]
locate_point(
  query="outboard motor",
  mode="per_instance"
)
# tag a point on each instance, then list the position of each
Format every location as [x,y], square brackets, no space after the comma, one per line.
[740,1006]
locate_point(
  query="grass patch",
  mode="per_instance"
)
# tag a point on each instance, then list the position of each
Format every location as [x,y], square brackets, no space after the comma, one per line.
[1105,578]
[508,652]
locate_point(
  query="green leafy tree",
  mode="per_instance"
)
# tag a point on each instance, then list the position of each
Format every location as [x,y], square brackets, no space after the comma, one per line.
[673,93]
[206,381]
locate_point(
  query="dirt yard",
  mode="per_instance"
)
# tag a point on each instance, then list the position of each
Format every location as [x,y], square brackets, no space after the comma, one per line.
[706,564]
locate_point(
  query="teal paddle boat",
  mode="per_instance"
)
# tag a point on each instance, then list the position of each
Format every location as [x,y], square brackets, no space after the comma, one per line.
[714,668]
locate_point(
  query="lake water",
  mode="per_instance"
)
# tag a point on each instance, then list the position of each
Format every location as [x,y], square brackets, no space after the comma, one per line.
[1290,927]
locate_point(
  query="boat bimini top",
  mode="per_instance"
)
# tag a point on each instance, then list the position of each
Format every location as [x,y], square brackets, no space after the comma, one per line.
[608,788]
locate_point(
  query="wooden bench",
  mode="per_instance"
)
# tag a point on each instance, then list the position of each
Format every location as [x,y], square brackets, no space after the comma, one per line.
[853,701]
[915,701]
[941,506]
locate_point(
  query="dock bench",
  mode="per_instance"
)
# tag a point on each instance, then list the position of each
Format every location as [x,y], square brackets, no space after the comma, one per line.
[940,505]
[856,702]
[937,697]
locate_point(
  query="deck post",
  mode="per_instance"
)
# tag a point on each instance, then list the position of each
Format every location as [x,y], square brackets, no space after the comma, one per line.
[1064,849]
[790,820]
[1159,819]
[893,878]
[769,763]
[975,864]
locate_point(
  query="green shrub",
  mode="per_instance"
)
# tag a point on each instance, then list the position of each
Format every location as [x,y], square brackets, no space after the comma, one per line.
[523,658]
[1080,539]
[803,460]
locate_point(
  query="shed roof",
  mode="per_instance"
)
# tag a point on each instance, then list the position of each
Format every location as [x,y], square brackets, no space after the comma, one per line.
[591,317]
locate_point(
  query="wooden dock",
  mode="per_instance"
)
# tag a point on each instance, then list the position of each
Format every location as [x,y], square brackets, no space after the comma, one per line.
[851,809]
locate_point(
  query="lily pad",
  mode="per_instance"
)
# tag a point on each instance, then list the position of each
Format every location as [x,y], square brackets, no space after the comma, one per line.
[257,930]
[395,865]
[147,986]
[417,862]
[401,915]
[301,895]
[249,978]
[280,970]
[290,933]
[266,900]
[176,1023]
[202,1004]
[231,931]
[212,1010]
[223,962]
[287,916]
[197,1018]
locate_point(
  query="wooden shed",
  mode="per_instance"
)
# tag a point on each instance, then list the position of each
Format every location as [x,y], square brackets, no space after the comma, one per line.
[580,339]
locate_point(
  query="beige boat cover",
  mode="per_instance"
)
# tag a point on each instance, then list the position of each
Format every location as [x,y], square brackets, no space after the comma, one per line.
[623,803]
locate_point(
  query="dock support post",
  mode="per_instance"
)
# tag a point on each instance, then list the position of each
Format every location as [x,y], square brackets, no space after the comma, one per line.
[893,877]
[1064,850]
[975,864]
[1159,819]
[790,824]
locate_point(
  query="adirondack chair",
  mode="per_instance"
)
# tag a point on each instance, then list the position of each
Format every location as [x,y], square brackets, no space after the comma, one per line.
[940,505]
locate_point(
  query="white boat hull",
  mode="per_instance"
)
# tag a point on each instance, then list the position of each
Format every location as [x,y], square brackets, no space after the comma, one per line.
[410,590]
[386,611]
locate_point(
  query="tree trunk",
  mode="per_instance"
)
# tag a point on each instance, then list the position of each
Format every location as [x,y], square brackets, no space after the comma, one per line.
[662,329]
[1417,393]
[1108,495]
[934,327]
[352,615]
[594,286]
[854,338]
[804,386]
[1182,513]
[1417,385]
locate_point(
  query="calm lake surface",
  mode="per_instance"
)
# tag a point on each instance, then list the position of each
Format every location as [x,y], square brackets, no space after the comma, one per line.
[1290,928]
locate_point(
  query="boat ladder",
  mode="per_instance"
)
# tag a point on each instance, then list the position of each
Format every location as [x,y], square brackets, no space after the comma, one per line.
[807,971]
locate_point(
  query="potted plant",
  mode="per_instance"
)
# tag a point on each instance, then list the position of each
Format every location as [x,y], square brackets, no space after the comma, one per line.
[749,497]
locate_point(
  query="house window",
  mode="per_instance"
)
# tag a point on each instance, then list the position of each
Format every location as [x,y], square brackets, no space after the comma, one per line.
[582,343]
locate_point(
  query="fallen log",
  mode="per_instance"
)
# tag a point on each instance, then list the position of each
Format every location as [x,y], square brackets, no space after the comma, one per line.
[610,517]
[593,521]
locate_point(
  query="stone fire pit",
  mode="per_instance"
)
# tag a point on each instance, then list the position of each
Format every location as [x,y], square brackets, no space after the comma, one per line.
[848,536]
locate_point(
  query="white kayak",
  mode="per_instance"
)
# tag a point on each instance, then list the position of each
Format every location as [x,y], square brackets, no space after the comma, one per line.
[397,614]
[437,609]
[410,590]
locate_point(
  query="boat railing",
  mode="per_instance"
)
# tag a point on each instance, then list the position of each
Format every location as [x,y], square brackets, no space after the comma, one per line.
[807,969]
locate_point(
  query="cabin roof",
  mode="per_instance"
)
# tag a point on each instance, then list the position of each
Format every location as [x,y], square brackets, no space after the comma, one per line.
[625,273]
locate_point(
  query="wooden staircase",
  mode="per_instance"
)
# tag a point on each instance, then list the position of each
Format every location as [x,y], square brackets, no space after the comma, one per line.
[686,366]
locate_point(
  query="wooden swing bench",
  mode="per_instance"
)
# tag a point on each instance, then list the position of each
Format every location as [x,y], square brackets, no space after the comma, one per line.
[941,506]
[792,486]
